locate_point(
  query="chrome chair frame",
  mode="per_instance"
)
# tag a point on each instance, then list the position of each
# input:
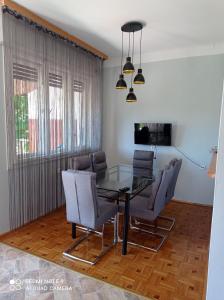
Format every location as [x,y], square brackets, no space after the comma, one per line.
[158,205]
[134,227]
[160,235]
[170,219]
[104,250]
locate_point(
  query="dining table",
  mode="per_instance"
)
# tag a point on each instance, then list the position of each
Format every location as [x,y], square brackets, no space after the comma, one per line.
[128,182]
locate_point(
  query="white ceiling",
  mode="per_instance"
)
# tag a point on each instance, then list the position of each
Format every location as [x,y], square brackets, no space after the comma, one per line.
[170,24]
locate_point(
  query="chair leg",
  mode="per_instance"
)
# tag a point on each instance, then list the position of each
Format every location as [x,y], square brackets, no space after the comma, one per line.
[119,239]
[116,229]
[85,229]
[73,230]
[171,219]
[104,250]
[162,236]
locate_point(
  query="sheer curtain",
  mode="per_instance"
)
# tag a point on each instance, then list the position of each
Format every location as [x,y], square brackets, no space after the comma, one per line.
[53,112]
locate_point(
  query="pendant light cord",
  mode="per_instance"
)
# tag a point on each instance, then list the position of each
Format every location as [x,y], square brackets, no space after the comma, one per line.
[133,45]
[129,44]
[132,59]
[122,50]
[141,50]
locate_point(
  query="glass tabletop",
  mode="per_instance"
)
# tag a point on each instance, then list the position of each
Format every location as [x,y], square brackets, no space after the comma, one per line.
[124,178]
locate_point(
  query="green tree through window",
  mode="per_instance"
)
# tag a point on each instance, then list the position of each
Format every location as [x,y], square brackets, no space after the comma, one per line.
[22,123]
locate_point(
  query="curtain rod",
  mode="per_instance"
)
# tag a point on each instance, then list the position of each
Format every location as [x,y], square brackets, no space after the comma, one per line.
[53,33]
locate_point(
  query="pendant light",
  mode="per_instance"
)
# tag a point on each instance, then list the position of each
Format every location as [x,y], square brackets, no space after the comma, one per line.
[130,27]
[121,84]
[139,78]
[131,97]
[128,67]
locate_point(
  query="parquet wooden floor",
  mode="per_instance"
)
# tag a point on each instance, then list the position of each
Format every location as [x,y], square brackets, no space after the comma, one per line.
[177,272]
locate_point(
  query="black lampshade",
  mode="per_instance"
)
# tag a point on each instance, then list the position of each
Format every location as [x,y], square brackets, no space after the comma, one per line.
[128,67]
[139,78]
[121,84]
[131,96]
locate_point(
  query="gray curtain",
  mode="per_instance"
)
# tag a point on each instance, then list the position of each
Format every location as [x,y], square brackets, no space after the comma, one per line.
[53,112]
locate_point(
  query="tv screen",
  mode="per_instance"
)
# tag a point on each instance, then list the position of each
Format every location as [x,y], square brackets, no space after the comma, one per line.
[153,134]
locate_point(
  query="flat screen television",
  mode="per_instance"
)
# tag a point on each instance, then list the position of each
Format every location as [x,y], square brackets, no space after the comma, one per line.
[158,134]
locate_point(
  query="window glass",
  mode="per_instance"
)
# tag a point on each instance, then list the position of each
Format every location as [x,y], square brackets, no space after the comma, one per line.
[26,108]
[56,112]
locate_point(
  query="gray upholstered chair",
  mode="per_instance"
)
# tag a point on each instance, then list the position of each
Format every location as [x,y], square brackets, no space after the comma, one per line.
[143,163]
[99,163]
[82,163]
[143,166]
[148,208]
[83,207]
[99,166]
[176,164]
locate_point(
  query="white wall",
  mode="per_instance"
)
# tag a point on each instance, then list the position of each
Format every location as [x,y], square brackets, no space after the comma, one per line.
[215,286]
[4,192]
[185,92]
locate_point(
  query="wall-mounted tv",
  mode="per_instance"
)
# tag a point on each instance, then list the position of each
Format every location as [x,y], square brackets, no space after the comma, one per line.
[158,134]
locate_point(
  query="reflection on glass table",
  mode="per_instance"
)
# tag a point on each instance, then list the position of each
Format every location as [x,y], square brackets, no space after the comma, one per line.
[122,178]
[127,182]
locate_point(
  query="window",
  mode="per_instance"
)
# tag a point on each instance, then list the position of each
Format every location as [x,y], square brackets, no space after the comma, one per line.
[78,94]
[43,123]
[56,111]
[25,99]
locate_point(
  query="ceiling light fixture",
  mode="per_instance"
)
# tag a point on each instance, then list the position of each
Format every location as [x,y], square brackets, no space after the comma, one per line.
[131,97]
[129,67]
[130,27]
[139,78]
[121,84]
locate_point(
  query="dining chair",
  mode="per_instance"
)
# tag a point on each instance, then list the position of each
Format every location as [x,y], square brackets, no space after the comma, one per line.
[82,163]
[99,166]
[85,208]
[149,208]
[176,164]
[143,163]
[143,166]
[99,163]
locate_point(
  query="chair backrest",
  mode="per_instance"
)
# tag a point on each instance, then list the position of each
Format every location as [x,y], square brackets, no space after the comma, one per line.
[176,163]
[99,161]
[81,197]
[160,197]
[143,163]
[82,163]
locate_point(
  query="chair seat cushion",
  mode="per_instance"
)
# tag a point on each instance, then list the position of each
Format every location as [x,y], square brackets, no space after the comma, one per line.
[106,210]
[139,207]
